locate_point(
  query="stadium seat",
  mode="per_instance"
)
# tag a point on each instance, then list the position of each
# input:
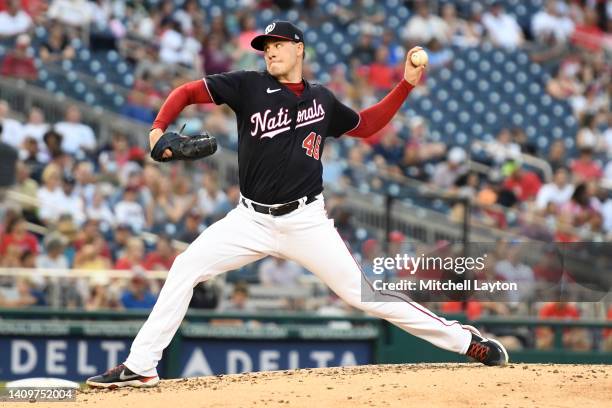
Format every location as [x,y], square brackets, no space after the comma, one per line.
[496,76]
[483,85]
[518,119]
[437,116]
[478,107]
[509,88]
[471,75]
[79,87]
[490,118]
[50,86]
[494,98]
[468,96]
[542,142]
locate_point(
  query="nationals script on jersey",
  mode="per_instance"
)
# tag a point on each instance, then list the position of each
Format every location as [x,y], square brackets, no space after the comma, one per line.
[280,136]
[270,125]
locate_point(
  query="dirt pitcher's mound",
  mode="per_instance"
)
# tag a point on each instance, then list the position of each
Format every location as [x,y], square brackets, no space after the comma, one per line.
[408,385]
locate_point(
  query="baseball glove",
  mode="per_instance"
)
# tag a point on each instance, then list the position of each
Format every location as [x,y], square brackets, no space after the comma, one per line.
[184,147]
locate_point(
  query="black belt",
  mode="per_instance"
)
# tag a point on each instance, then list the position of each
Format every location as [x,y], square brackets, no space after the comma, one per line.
[280,210]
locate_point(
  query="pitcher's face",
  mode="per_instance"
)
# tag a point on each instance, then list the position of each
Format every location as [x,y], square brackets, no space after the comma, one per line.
[281,56]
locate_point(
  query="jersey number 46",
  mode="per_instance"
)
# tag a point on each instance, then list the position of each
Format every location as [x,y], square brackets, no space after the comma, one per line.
[311,143]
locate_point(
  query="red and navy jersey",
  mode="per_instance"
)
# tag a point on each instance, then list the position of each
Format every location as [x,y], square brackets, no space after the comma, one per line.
[280,135]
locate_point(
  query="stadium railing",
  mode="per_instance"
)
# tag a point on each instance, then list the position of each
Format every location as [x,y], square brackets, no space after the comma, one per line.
[22,97]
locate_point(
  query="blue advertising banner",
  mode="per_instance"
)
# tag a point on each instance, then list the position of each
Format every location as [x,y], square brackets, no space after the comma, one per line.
[77,358]
[206,357]
[70,358]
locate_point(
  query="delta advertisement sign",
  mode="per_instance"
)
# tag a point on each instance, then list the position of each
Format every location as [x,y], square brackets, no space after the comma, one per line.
[78,358]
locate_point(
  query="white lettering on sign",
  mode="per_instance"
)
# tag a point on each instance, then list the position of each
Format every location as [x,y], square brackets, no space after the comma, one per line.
[236,358]
[82,367]
[197,365]
[321,358]
[294,360]
[348,359]
[268,360]
[19,366]
[56,357]
[112,348]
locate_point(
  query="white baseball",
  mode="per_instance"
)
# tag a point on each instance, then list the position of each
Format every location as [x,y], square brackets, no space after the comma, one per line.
[419,58]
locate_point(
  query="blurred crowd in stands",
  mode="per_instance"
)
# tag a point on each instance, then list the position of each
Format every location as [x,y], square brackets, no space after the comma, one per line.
[97,198]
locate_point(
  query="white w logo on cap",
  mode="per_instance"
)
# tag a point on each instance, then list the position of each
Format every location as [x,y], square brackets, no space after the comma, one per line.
[270,28]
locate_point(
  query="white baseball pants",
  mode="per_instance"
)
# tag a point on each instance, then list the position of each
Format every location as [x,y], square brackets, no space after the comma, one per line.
[306,236]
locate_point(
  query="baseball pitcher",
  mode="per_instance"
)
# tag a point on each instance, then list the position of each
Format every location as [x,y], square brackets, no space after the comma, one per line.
[283,122]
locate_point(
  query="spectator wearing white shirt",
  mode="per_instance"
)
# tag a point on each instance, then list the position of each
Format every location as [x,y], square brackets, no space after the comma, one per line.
[503,148]
[175,48]
[447,172]
[502,28]
[99,210]
[36,126]
[14,20]
[589,136]
[77,137]
[189,15]
[607,176]
[56,201]
[210,197]
[513,270]
[72,203]
[129,211]
[12,130]
[75,13]
[84,176]
[607,136]
[50,194]
[424,27]
[606,213]
[550,21]
[279,272]
[54,257]
[558,192]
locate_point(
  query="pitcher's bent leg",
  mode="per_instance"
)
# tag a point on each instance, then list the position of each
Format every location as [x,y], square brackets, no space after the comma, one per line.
[323,252]
[228,244]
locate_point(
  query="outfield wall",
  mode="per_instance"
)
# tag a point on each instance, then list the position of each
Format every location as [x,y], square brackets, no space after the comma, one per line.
[77,344]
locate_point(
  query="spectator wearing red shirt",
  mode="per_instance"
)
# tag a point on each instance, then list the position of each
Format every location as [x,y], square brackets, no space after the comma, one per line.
[17,235]
[559,310]
[163,256]
[17,63]
[89,233]
[382,76]
[524,184]
[133,256]
[588,35]
[33,7]
[549,267]
[573,339]
[248,31]
[584,168]
[472,308]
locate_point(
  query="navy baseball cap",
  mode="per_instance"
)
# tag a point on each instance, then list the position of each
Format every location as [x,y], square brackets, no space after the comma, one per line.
[283,30]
